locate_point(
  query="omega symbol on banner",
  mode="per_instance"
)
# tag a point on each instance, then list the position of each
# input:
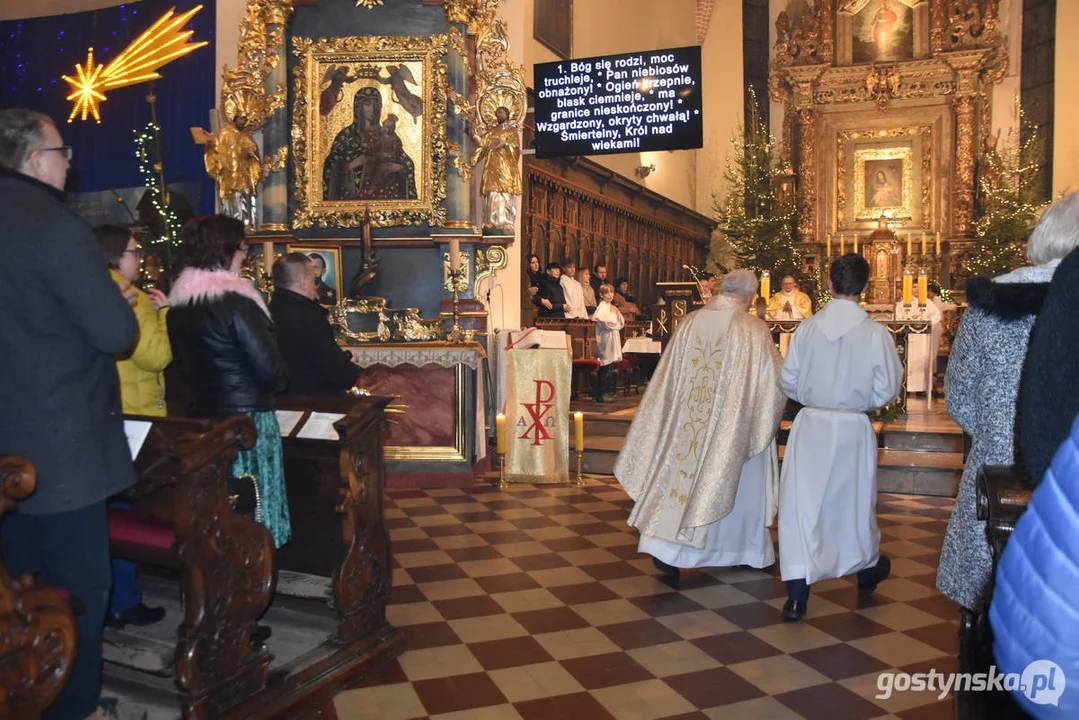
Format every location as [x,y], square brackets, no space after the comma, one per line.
[538,430]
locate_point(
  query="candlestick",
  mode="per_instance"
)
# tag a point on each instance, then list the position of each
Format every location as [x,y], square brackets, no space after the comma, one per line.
[501,471]
[909,253]
[938,243]
[766,285]
[923,243]
[455,254]
[458,334]
[580,478]
[578,429]
[908,288]
[500,434]
[828,252]
[842,246]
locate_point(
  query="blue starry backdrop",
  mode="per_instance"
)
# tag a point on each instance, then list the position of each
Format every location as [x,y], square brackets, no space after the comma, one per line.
[36,52]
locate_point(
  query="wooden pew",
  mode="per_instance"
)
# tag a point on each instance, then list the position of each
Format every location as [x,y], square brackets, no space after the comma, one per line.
[1003,495]
[226,561]
[37,627]
[335,489]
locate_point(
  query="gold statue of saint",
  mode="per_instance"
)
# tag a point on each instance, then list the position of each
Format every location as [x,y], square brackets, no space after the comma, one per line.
[232,155]
[499,150]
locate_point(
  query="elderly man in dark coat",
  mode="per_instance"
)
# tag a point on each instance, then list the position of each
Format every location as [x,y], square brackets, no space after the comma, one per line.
[64,319]
[317,364]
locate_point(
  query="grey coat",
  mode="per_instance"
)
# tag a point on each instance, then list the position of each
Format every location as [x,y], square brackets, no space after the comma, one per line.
[63,320]
[981,386]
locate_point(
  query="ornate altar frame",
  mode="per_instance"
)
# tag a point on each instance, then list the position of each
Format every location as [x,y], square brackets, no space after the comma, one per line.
[938,100]
[376,53]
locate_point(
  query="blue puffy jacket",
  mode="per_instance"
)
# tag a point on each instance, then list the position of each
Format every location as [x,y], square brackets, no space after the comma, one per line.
[1035,609]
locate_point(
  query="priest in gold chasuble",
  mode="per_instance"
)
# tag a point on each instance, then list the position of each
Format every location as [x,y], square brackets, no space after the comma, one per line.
[700,457]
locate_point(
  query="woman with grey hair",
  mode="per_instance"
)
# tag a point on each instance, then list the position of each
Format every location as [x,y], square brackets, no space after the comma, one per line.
[981,387]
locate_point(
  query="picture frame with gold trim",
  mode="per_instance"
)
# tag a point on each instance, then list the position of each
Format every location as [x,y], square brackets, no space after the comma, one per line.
[369,131]
[332,277]
[883,182]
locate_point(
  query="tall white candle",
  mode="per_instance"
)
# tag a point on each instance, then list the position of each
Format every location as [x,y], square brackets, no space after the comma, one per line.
[455,254]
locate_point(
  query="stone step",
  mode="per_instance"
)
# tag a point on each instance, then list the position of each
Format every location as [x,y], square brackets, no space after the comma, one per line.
[922,441]
[918,481]
[605,426]
[898,471]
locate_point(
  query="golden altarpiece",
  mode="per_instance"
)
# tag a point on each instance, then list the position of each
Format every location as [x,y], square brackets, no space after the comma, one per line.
[885,103]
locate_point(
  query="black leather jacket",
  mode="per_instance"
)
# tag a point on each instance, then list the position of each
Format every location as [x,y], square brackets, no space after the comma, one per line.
[227,351]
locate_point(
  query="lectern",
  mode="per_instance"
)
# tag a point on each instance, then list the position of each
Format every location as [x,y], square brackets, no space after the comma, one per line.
[676,300]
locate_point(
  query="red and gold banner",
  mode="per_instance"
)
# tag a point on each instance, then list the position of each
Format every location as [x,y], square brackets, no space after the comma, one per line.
[537,415]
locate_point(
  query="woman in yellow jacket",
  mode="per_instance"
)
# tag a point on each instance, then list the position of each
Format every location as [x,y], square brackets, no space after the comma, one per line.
[142,392]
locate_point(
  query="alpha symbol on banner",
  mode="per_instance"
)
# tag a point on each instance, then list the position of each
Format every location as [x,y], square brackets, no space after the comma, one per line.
[536,425]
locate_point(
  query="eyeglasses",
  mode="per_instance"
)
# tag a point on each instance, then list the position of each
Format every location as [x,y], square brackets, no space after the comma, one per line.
[137,252]
[65,149]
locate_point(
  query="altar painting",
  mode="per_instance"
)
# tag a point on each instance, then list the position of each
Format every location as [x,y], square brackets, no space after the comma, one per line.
[883,183]
[370,131]
[883,31]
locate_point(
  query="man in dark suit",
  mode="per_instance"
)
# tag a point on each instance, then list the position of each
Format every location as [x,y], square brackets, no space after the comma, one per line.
[317,364]
[64,319]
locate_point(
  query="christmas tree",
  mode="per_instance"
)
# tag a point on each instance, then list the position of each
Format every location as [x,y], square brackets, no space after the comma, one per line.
[1008,200]
[756,217]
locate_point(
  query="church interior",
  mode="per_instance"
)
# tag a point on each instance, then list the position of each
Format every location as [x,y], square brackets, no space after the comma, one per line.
[460,545]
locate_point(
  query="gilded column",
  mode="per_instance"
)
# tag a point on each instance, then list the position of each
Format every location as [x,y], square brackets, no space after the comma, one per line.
[968,90]
[826,21]
[963,195]
[807,174]
[275,133]
[937,25]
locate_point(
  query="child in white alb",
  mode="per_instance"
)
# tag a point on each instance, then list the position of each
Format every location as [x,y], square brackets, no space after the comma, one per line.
[608,342]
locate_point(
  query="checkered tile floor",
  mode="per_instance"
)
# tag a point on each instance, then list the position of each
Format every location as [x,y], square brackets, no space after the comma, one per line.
[533,603]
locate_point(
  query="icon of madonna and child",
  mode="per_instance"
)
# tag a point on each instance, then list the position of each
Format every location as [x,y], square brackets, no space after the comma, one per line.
[367,160]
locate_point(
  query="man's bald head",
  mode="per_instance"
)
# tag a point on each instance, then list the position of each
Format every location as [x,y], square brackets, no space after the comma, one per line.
[296,272]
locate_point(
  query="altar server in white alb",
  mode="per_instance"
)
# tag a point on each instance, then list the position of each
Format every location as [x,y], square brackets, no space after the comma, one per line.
[609,322]
[840,365]
[700,457]
[573,291]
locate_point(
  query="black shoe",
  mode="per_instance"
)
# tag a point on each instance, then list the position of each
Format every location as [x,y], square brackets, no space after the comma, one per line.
[880,573]
[261,635]
[794,610]
[139,616]
[668,570]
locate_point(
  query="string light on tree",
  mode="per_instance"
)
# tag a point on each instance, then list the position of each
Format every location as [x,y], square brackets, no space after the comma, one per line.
[759,210]
[147,141]
[1009,204]
[139,62]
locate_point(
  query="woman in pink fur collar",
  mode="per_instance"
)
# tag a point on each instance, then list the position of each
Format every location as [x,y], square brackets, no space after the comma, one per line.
[223,341]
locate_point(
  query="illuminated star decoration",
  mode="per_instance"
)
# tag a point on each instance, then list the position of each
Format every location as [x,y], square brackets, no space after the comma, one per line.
[139,62]
[369,4]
